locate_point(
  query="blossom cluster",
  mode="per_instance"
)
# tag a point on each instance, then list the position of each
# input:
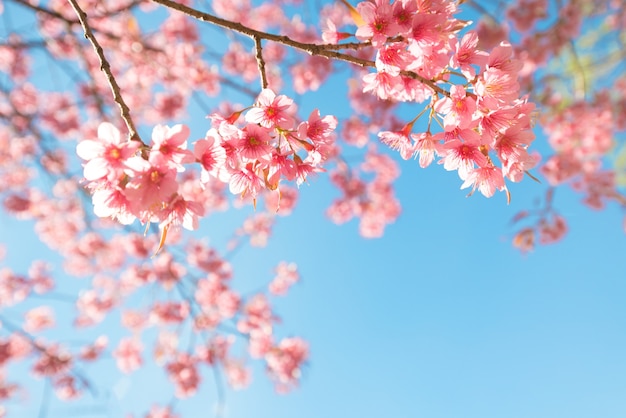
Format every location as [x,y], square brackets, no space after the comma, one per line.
[207,304]
[579,152]
[211,303]
[373,202]
[130,180]
[578,160]
[478,124]
[474,95]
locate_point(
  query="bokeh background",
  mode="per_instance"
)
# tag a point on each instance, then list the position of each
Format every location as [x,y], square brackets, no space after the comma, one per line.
[440,318]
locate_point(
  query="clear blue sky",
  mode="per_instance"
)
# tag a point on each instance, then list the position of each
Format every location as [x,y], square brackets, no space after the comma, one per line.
[441,318]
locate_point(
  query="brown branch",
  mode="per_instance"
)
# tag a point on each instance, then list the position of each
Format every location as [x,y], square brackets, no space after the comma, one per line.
[260,61]
[322,50]
[348,45]
[106,68]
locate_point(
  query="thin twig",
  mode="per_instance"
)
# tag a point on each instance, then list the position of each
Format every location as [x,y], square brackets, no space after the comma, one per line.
[106,68]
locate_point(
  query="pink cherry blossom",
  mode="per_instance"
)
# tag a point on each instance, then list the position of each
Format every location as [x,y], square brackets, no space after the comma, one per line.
[497,86]
[486,179]
[133,320]
[210,154]
[425,147]
[150,190]
[552,230]
[38,319]
[169,312]
[382,83]
[109,156]
[462,156]
[216,351]
[257,317]
[331,35]
[7,390]
[52,361]
[246,181]
[93,306]
[169,147]
[160,412]
[128,354]
[92,352]
[165,346]
[66,388]
[113,203]
[284,362]
[458,109]
[182,212]
[319,128]
[271,110]
[467,56]
[237,375]
[183,372]
[403,13]
[286,276]
[254,143]
[309,75]
[379,23]
[214,296]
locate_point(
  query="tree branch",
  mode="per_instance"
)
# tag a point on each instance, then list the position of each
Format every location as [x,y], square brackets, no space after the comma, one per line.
[260,61]
[328,51]
[106,68]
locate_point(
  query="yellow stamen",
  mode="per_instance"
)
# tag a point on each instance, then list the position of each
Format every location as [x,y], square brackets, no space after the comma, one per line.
[162,240]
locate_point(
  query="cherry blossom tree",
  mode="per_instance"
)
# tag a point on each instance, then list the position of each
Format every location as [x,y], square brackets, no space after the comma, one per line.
[97,151]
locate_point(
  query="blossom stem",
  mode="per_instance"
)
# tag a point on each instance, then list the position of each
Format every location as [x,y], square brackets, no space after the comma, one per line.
[418,116]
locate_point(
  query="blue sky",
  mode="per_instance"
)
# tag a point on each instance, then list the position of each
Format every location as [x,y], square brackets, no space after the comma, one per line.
[441,318]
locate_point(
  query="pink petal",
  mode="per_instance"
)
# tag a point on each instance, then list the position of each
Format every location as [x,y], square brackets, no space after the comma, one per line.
[96,169]
[89,149]
[177,135]
[109,133]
